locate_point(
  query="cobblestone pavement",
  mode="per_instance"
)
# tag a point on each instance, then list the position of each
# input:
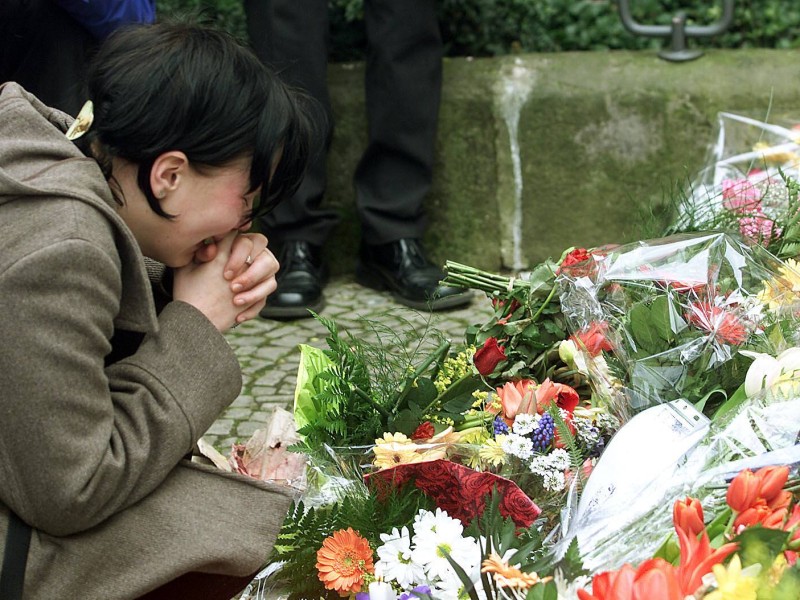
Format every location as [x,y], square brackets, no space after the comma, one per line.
[269,355]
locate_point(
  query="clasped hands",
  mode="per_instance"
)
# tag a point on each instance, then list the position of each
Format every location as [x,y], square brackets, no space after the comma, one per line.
[229,280]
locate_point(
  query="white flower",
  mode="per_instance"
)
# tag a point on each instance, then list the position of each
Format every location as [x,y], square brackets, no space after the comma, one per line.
[517,445]
[525,423]
[766,371]
[554,481]
[395,558]
[437,535]
[559,459]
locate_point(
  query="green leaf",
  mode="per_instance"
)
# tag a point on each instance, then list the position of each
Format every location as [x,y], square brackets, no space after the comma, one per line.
[660,318]
[406,421]
[731,404]
[546,591]
[572,565]
[464,385]
[640,324]
[313,362]
[422,393]
[761,545]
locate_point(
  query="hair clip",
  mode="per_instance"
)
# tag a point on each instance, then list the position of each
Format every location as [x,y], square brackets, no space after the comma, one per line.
[82,122]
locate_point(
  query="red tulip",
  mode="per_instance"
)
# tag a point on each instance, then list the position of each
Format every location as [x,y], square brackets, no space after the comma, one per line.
[611,585]
[743,491]
[594,338]
[688,515]
[771,481]
[697,558]
[656,579]
[488,357]
[754,515]
[782,500]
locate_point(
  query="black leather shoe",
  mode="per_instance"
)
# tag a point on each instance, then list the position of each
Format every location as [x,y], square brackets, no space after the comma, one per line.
[402,268]
[300,281]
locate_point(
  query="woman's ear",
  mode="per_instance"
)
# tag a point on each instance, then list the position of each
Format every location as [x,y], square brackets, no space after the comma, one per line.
[168,172]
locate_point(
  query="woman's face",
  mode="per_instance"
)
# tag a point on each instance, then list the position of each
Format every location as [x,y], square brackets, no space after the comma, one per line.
[206,206]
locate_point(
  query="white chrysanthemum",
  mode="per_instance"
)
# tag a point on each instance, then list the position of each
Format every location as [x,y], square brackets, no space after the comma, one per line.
[517,445]
[395,558]
[438,521]
[452,588]
[437,535]
[525,424]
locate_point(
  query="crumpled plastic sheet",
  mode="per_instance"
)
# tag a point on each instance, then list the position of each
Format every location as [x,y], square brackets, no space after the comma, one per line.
[702,280]
[627,514]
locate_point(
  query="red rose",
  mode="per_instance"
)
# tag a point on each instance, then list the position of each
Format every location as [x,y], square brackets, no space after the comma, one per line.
[488,357]
[578,263]
[424,432]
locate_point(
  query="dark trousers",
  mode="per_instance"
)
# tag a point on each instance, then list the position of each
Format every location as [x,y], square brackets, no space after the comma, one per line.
[403,90]
[45,50]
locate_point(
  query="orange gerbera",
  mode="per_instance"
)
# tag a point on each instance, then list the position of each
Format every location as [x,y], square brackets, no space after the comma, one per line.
[343,560]
[507,576]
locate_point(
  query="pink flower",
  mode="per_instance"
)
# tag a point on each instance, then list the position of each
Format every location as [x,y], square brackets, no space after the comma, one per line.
[517,397]
[740,196]
[758,229]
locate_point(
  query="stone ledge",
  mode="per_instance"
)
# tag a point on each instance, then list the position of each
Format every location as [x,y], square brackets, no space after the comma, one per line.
[601,138]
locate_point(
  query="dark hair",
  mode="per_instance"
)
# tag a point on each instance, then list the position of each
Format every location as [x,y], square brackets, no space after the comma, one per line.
[192,88]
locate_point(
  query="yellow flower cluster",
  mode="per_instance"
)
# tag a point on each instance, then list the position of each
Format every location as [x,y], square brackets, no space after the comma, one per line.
[454,368]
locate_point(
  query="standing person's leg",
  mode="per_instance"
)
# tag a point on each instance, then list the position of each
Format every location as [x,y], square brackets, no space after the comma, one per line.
[45,50]
[403,91]
[291,36]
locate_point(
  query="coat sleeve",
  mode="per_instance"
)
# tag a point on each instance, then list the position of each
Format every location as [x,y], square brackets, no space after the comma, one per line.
[80,441]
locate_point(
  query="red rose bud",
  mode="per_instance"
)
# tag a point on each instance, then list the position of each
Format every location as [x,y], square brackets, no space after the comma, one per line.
[424,432]
[578,255]
[743,491]
[488,357]
[688,515]
[772,481]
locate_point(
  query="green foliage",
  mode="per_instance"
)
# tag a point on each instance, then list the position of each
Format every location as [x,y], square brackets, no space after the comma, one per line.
[305,529]
[383,382]
[497,27]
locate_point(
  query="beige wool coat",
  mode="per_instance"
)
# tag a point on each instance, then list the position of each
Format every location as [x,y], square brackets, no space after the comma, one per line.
[101,398]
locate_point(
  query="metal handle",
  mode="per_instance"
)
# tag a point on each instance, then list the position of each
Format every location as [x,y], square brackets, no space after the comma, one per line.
[677,31]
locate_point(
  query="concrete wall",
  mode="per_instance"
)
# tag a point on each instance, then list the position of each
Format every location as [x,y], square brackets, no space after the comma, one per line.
[540,152]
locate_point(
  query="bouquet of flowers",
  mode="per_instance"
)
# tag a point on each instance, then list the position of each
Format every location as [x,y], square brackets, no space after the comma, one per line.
[676,317]
[748,550]
[749,187]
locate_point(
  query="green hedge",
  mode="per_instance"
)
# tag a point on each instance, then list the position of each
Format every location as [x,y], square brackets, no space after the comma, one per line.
[494,27]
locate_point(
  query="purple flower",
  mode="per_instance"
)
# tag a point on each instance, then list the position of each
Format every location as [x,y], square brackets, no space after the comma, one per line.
[500,426]
[417,592]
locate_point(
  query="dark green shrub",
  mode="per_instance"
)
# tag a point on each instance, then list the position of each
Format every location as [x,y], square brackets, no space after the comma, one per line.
[494,27]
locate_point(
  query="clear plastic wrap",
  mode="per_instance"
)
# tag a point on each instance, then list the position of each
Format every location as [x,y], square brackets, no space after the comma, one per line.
[628,519]
[745,185]
[675,313]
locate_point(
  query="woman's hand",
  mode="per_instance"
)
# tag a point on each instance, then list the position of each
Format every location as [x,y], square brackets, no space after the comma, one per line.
[229,282]
[251,269]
